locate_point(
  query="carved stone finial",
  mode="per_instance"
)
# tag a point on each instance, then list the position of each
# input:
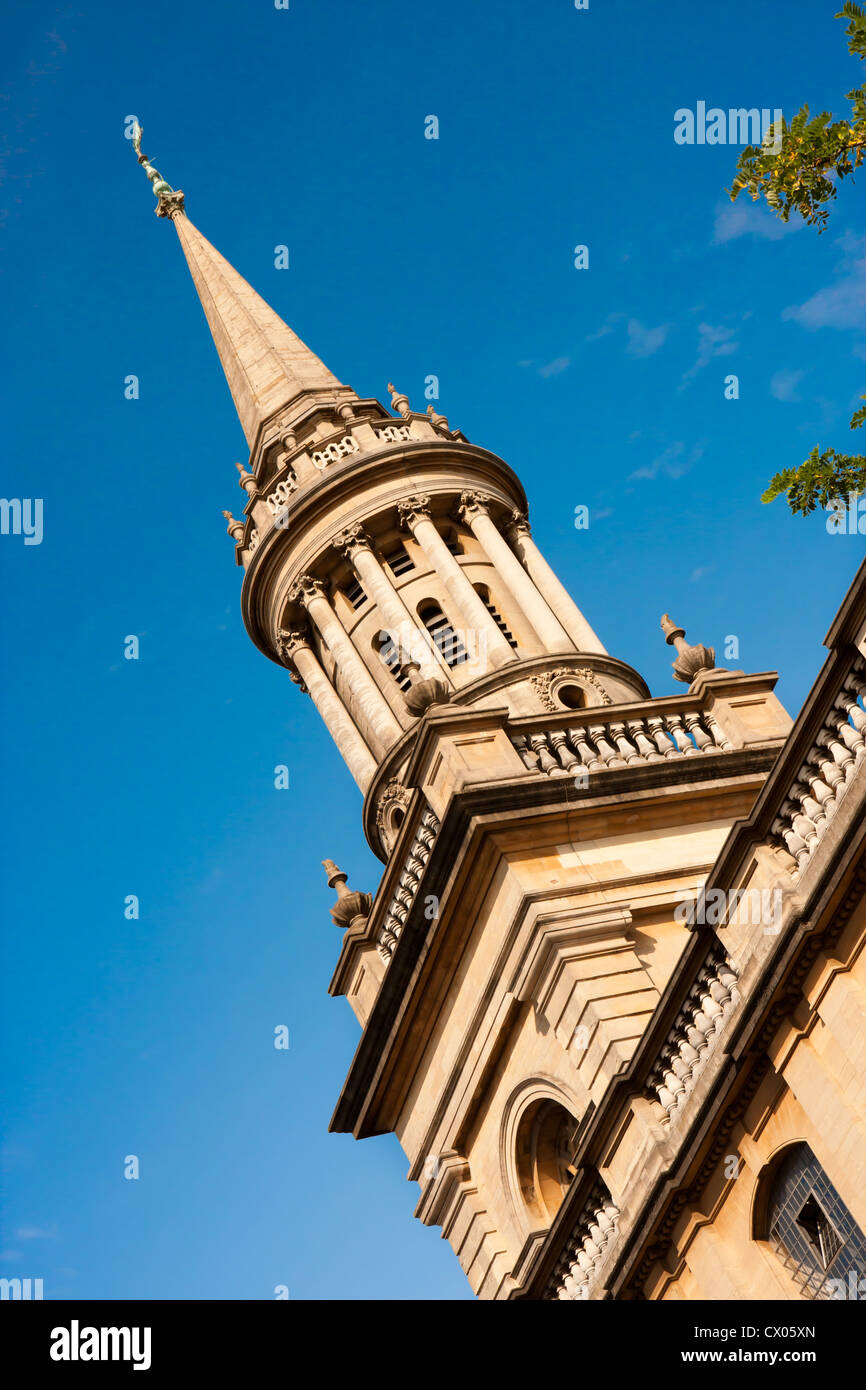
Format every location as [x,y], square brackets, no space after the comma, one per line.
[425,693]
[336,878]
[398,402]
[246,480]
[235,528]
[169,200]
[439,422]
[349,905]
[690,660]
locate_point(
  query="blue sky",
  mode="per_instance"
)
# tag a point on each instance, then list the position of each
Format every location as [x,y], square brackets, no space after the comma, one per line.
[602,387]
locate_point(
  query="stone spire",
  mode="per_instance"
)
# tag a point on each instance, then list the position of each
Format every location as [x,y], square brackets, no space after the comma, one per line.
[266,365]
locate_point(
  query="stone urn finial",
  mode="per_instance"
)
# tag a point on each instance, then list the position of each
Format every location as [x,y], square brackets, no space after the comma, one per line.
[349,905]
[426,693]
[246,480]
[690,660]
[439,422]
[398,402]
[235,528]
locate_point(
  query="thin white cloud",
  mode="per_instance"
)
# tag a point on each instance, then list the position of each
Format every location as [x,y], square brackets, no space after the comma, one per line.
[672,462]
[783,384]
[606,327]
[554,368]
[643,342]
[843,304]
[742,218]
[712,342]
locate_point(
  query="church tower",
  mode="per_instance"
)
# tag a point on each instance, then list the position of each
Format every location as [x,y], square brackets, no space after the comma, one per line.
[543,821]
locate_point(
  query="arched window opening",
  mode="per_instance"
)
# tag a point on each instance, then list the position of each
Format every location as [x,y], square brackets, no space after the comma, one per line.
[809,1226]
[446,640]
[484,594]
[545,1138]
[452,541]
[389,652]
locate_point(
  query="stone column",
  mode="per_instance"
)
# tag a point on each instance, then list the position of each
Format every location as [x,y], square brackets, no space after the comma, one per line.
[415,513]
[552,589]
[473,511]
[379,726]
[396,618]
[295,647]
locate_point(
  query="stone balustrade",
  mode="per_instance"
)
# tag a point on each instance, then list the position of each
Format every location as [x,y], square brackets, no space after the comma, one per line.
[703,1016]
[408,883]
[575,1271]
[825,774]
[592,742]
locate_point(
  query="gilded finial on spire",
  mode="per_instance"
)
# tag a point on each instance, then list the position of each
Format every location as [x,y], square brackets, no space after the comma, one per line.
[169,200]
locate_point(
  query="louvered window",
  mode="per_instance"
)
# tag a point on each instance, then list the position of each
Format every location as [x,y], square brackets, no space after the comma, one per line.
[391,657]
[355,594]
[500,622]
[444,637]
[399,560]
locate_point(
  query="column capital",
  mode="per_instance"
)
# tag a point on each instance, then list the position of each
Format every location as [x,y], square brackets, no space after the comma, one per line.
[289,643]
[350,539]
[306,588]
[414,508]
[519,524]
[473,503]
